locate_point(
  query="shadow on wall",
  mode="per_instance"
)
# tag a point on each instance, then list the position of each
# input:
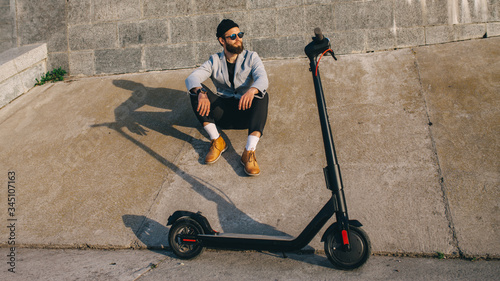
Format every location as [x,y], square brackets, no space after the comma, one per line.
[177,112]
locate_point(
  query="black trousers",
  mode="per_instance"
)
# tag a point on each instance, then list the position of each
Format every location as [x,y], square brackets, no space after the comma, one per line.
[225,114]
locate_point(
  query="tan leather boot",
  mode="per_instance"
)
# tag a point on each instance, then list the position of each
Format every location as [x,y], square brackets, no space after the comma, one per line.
[216,148]
[250,162]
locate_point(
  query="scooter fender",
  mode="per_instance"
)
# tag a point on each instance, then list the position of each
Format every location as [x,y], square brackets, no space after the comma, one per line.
[334,227]
[198,217]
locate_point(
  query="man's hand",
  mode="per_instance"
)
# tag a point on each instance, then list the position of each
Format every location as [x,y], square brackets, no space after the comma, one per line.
[247,98]
[136,129]
[203,104]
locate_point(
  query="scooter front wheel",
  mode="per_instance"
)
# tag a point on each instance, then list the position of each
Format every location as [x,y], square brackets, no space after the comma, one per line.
[182,238]
[348,259]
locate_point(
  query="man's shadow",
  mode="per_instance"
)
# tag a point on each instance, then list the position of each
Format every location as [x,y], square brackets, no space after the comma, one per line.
[171,108]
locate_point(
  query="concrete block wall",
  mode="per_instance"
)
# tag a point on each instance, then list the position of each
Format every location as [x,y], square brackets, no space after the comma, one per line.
[8,34]
[89,37]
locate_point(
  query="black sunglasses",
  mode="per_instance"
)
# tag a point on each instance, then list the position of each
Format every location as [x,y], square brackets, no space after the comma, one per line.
[233,36]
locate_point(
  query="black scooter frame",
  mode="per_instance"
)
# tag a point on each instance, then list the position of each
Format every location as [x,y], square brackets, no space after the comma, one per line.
[213,239]
[335,205]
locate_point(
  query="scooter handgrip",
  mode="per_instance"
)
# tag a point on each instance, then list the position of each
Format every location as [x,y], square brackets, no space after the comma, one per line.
[318,34]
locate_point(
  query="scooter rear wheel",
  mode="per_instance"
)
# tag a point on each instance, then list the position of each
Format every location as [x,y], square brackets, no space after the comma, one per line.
[185,250]
[355,257]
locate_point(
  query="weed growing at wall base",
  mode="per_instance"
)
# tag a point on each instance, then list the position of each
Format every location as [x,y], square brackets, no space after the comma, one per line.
[51,76]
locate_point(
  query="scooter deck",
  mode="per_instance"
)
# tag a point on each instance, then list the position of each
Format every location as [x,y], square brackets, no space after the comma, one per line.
[250,242]
[247,236]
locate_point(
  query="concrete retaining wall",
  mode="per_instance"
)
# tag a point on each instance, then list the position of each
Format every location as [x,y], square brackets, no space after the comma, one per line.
[19,69]
[88,37]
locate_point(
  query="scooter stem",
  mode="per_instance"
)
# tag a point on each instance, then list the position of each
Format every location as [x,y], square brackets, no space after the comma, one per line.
[332,170]
[319,45]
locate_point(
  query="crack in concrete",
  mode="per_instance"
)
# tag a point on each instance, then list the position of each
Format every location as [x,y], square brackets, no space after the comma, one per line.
[447,208]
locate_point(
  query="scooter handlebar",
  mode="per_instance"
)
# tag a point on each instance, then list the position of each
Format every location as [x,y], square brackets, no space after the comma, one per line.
[318,45]
[318,35]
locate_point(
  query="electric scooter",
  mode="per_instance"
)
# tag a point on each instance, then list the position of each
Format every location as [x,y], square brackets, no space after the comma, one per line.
[347,246]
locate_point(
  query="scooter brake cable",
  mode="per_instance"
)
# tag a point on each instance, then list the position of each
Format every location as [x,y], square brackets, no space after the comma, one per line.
[317,64]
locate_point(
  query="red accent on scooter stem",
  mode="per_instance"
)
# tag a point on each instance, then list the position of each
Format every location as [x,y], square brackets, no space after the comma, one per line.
[345,239]
[317,64]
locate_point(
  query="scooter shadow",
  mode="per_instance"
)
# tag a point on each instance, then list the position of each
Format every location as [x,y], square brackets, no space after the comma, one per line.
[155,236]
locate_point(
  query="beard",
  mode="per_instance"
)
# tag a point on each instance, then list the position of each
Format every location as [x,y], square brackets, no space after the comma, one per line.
[235,49]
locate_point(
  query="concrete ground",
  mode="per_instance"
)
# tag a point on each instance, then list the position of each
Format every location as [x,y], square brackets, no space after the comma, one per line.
[144,265]
[102,162]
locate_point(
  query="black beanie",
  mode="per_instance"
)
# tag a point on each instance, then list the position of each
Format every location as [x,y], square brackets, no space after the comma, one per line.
[224,26]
